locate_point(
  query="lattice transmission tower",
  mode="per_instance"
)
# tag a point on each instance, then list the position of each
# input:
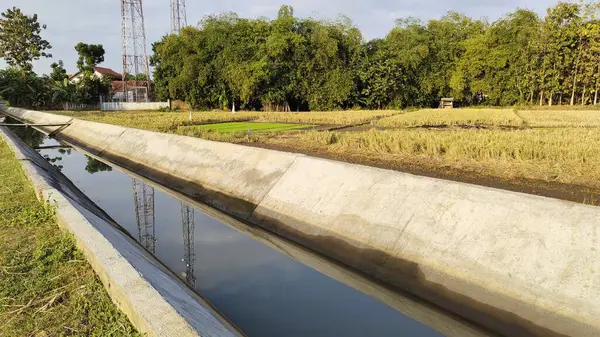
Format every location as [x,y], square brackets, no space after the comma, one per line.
[143,198]
[135,53]
[188,224]
[178,15]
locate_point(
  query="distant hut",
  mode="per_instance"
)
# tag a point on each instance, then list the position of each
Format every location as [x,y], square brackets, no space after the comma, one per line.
[447,103]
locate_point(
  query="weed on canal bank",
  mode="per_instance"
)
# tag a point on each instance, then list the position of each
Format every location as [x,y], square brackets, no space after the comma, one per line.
[46,286]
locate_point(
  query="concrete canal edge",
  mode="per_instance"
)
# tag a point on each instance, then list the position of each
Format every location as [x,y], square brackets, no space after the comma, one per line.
[156,303]
[515,263]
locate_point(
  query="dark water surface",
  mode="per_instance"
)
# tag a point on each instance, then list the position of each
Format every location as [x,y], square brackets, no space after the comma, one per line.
[264,292]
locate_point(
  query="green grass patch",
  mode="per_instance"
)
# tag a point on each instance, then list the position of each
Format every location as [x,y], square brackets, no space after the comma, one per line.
[46,286]
[249,126]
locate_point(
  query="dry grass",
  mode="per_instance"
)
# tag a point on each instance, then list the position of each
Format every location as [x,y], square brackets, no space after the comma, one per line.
[332,117]
[560,118]
[560,107]
[160,121]
[563,155]
[455,117]
[166,121]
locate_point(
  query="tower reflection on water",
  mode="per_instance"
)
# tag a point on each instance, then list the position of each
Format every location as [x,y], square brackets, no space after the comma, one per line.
[143,196]
[189,258]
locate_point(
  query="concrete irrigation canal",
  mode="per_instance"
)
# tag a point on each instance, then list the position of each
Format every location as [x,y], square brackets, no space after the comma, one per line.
[279,244]
[263,291]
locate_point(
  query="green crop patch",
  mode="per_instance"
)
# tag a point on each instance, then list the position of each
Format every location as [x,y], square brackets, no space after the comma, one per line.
[249,126]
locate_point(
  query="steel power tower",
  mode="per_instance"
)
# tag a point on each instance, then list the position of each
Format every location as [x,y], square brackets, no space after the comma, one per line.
[135,54]
[188,225]
[143,198]
[178,15]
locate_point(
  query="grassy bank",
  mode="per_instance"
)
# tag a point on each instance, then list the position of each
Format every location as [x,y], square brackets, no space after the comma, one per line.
[46,286]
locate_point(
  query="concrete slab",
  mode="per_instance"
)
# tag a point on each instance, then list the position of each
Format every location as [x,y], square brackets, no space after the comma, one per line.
[528,263]
[37,117]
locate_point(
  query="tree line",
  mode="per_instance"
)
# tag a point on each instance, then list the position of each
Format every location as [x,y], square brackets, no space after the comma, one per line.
[21,44]
[299,64]
[292,63]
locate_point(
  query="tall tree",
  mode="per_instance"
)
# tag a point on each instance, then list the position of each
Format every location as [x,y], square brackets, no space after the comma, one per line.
[292,63]
[59,73]
[561,38]
[20,39]
[90,55]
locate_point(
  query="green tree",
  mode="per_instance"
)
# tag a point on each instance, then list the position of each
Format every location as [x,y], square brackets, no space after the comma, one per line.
[20,39]
[90,55]
[90,88]
[378,75]
[24,89]
[292,63]
[590,53]
[59,73]
[561,39]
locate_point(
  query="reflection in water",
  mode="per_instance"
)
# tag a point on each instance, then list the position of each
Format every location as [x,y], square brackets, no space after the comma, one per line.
[143,197]
[53,160]
[263,291]
[95,166]
[188,225]
[29,135]
[34,139]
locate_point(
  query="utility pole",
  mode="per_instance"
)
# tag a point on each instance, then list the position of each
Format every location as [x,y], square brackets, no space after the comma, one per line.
[143,199]
[178,16]
[135,53]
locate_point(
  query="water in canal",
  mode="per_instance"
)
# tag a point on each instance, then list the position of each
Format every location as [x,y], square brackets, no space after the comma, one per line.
[264,292]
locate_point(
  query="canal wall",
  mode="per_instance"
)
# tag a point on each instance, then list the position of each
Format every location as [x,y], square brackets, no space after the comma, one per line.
[155,301]
[518,264]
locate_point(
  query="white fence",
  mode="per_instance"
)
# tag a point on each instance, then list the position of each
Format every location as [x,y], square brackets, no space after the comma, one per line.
[120,106]
[77,107]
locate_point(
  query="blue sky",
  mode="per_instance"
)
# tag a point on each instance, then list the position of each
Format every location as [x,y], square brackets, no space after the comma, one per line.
[98,21]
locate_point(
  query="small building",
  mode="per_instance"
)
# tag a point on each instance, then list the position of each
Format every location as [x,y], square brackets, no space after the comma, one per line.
[99,72]
[447,103]
[137,91]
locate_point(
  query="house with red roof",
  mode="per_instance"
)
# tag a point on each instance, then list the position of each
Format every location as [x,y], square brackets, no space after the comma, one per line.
[136,90]
[99,72]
